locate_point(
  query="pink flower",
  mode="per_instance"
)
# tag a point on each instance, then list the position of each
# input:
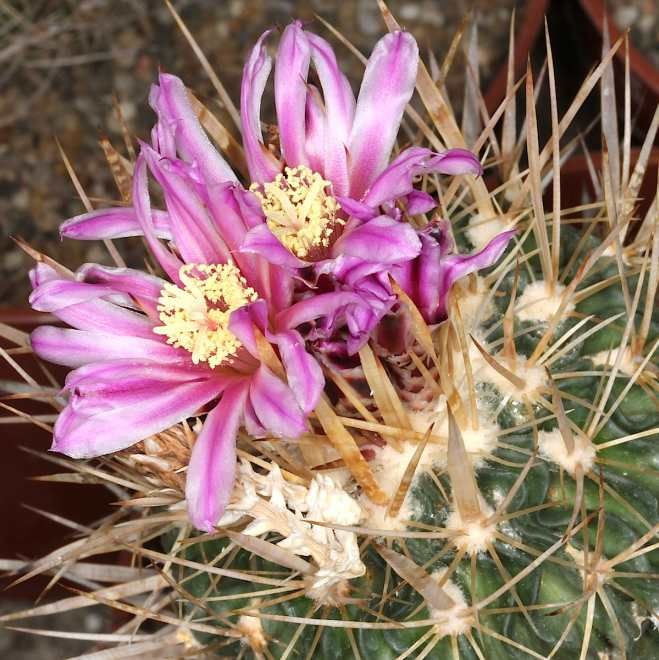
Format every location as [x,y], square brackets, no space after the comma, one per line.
[149,353]
[329,199]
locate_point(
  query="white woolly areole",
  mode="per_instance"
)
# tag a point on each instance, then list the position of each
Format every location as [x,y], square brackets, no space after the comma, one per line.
[252,631]
[481,231]
[628,363]
[474,535]
[598,573]
[472,302]
[458,619]
[388,467]
[534,377]
[552,446]
[389,464]
[539,303]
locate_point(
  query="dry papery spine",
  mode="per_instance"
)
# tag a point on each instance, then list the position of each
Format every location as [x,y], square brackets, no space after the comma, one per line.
[311,511]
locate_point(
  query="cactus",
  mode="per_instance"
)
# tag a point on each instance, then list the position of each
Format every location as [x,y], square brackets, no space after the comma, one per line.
[511,452]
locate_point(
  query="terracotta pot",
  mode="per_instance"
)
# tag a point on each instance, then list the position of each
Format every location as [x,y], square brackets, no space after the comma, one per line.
[25,533]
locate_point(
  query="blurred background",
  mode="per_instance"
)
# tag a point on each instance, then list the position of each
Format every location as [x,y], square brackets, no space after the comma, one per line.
[63,63]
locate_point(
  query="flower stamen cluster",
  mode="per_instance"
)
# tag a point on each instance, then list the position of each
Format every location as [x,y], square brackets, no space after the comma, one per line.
[196,316]
[299,210]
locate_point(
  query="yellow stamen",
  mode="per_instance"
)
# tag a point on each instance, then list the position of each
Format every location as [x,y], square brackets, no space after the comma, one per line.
[196,315]
[299,209]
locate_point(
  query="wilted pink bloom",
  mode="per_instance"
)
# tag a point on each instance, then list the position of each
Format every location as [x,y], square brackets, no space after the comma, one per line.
[428,278]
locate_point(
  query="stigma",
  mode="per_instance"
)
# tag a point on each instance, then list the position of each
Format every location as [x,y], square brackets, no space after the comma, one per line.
[195,315]
[299,209]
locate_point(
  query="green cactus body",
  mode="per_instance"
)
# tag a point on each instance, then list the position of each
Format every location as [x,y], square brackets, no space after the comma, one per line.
[568,592]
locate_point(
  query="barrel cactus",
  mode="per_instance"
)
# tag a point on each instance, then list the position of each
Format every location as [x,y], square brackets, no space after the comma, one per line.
[477,476]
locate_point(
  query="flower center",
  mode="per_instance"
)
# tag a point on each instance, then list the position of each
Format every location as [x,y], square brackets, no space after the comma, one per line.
[299,210]
[195,316]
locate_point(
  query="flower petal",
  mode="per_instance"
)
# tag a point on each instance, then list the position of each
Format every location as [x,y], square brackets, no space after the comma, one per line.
[262,165]
[242,322]
[419,201]
[170,101]
[457,161]
[42,273]
[194,233]
[275,405]
[387,87]
[357,209]
[145,288]
[260,240]
[57,294]
[291,71]
[315,126]
[436,275]
[339,103]
[73,348]
[337,92]
[103,316]
[316,306]
[212,469]
[142,203]
[382,239]
[397,178]
[113,223]
[151,410]
[303,373]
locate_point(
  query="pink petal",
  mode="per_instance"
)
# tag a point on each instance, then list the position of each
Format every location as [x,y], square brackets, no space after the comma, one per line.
[194,234]
[457,161]
[337,94]
[315,127]
[170,101]
[437,274]
[262,165]
[420,202]
[103,316]
[260,240]
[275,405]
[43,273]
[212,468]
[387,87]
[291,71]
[339,103]
[113,223]
[149,411]
[304,375]
[383,240]
[142,203]
[145,288]
[357,209]
[57,294]
[74,348]
[89,306]
[316,306]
